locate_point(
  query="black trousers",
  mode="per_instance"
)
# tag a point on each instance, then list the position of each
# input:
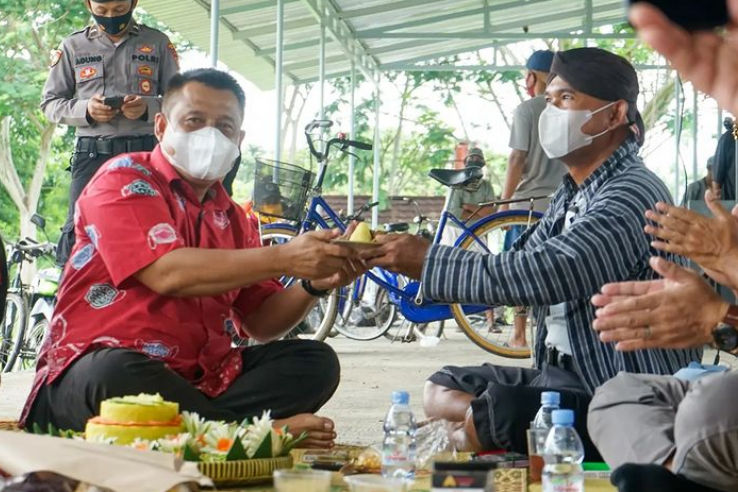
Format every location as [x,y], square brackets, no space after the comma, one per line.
[83,166]
[287,377]
[508,398]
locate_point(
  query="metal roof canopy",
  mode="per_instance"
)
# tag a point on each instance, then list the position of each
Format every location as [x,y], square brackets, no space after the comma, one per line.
[375,35]
[309,40]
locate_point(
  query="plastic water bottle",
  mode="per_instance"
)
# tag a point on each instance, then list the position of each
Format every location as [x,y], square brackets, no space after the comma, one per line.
[550,401]
[398,447]
[540,427]
[563,455]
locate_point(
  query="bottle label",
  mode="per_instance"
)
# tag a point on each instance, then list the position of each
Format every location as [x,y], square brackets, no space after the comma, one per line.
[395,457]
[563,484]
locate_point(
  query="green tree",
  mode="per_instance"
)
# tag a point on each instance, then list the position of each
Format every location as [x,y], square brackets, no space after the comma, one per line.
[34,153]
[29,34]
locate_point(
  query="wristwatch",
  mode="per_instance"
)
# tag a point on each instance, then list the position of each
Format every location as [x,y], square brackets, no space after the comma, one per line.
[312,290]
[725,334]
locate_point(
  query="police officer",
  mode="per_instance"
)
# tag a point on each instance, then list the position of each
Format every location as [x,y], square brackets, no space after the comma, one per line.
[106,81]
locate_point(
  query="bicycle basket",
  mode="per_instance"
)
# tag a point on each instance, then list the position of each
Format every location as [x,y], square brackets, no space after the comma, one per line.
[280,189]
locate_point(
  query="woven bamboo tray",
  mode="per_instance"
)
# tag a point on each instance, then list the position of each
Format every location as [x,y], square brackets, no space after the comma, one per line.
[243,472]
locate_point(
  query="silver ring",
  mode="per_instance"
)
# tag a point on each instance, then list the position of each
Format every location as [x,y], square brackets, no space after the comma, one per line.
[648,333]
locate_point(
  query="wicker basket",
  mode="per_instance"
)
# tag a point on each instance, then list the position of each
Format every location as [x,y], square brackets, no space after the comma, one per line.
[243,472]
[9,425]
[281,189]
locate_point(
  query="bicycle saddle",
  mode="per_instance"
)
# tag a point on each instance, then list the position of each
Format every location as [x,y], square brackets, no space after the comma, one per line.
[397,227]
[456,177]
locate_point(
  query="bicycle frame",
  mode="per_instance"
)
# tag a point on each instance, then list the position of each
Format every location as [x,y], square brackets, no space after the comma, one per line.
[403,297]
[412,306]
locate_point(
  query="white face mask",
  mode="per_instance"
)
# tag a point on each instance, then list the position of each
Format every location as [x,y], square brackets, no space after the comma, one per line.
[204,154]
[560,130]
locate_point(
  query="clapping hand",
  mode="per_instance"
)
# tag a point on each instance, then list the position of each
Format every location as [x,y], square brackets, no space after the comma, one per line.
[711,242]
[707,59]
[678,311]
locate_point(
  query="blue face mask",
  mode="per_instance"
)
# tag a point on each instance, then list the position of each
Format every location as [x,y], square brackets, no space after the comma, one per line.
[113,25]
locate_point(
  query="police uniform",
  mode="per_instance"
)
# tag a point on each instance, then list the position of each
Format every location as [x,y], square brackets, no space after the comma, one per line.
[89,63]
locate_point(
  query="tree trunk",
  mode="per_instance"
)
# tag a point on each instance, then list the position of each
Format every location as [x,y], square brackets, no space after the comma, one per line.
[8,174]
[25,200]
[458,112]
[398,136]
[298,116]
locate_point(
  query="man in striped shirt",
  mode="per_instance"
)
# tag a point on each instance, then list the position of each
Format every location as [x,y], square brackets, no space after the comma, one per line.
[591,234]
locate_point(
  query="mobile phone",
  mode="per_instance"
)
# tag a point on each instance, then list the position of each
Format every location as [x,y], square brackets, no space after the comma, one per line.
[114,102]
[692,15]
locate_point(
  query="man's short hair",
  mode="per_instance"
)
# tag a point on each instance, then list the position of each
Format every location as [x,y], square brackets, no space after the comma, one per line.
[216,79]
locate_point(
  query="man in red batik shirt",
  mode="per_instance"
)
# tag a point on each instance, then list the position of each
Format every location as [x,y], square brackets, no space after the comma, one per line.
[166,268]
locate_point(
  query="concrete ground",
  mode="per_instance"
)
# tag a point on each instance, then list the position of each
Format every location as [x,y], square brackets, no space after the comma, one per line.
[370,372]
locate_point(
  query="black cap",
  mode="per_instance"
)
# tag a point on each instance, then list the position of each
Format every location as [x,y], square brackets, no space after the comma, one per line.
[475,157]
[603,75]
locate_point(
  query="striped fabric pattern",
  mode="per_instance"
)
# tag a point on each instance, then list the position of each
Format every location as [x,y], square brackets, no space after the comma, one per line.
[604,243]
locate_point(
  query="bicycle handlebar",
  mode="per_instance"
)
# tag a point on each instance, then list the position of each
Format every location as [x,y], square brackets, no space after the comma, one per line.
[340,140]
[29,245]
[318,124]
[364,208]
[359,145]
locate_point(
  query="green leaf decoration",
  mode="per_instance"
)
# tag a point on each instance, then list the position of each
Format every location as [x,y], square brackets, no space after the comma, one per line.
[36,429]
[53,431]
[291,443]
[236,452]
[265,448]
[190,454]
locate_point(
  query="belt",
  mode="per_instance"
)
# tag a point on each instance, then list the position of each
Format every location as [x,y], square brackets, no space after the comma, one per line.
[116,145]
[553,357]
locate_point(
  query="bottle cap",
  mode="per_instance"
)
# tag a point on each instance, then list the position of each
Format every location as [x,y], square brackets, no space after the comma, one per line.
[563,417]
[400,397]
[550,398]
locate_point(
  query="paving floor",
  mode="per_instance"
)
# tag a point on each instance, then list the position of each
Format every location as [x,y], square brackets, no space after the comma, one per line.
[371,370]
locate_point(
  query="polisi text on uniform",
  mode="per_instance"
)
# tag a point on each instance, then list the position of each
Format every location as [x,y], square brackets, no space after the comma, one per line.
[145,58]
[81,60]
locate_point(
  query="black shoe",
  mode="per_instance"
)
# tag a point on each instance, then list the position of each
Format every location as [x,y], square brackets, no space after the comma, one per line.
[631,477]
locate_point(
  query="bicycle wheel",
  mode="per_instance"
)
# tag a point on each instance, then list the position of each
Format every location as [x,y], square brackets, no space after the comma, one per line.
[319,321]
[31,344]
[369,314]
[494,330]
[13,330]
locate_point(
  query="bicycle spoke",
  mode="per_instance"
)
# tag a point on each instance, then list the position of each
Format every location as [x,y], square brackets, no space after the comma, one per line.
[503,330]
[319,321]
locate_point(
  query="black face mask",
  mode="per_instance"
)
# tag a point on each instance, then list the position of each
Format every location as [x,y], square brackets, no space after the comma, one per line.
[113,25]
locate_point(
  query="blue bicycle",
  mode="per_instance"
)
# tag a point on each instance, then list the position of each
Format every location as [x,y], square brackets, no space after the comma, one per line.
[282,190]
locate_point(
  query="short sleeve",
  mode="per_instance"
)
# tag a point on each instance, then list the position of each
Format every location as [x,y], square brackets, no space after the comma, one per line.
[520,130]
[125,214]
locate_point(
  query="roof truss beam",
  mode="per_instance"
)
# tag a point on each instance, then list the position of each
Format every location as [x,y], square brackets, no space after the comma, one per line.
[326,12]
[481,11]
[384,32]
[507,35]
[250,7]
[270,29]
[384,8]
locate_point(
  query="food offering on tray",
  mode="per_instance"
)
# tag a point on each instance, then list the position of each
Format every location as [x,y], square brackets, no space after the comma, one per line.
[148,422]
[362,237]
[368,461]
[128,418]
[362,234]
